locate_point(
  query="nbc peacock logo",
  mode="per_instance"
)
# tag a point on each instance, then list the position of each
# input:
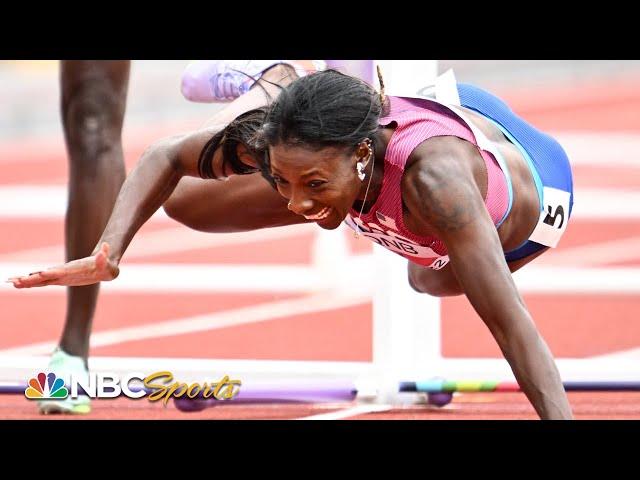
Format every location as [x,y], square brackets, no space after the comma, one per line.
[45,386]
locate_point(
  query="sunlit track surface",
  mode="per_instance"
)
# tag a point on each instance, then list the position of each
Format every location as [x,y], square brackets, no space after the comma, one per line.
[145,319]
[499,406]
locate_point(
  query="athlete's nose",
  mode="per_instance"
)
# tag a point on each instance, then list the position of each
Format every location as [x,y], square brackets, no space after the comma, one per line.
[300,205]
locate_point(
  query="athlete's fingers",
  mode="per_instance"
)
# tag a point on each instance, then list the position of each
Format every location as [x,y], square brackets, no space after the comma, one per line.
[28,278]
[56,270]
[80,268]
[28,282]
[49,282]
[50,273]
[41,283]
[34,278]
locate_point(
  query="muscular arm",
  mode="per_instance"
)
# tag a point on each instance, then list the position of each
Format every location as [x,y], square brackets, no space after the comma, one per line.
[150,184]
[441,194]
[163,164]
[147,187]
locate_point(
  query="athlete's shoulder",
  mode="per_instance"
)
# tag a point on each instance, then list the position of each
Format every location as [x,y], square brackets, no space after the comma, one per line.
[441,153]
[438,164]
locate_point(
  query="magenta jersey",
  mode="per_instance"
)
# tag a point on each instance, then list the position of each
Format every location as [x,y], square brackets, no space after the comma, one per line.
[418,120]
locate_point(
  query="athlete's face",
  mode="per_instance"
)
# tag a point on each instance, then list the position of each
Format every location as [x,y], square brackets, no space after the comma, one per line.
[321,185]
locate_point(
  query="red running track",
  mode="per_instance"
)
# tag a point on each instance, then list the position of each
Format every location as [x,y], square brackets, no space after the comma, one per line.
[573,325]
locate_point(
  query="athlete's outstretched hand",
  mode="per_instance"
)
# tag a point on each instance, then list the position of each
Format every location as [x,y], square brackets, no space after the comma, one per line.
[84,271]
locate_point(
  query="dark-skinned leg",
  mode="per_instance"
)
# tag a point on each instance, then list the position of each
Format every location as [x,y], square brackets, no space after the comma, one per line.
[242,203]
[443,283]
[93,99]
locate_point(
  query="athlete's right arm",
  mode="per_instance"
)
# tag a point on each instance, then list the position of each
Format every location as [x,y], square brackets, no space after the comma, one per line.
[150,184]
[146,188]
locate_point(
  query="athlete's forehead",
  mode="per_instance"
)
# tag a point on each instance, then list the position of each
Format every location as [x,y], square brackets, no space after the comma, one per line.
[304,161]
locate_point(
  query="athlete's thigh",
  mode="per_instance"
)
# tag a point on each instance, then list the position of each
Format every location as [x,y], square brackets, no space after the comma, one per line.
[516,265]
[443,282]
[242,203]
[439,283]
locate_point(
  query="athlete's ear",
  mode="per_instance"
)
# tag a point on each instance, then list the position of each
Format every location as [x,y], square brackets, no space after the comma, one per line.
[245,156]
[364,151]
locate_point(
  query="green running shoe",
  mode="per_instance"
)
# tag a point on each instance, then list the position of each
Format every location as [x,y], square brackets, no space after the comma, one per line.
[64,364]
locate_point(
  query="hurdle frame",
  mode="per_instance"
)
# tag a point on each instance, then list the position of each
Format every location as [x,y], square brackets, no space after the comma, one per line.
[406,324]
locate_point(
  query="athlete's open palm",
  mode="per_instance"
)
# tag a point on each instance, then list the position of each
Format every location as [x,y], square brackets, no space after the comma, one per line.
[84,271]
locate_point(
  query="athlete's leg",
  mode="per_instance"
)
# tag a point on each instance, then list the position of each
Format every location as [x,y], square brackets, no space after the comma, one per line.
[261,93]
[244,202]
[438,283]
[443,282]
[93,98]
[224,80]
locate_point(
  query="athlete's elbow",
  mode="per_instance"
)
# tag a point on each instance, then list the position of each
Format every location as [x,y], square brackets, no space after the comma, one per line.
[164,150]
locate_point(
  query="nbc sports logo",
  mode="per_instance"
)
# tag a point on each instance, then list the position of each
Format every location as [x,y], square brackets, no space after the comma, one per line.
[46,386]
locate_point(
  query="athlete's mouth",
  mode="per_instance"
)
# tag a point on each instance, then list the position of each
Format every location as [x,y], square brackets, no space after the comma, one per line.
[321,215]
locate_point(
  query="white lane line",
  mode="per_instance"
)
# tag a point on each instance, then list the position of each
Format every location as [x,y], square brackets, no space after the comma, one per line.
[618,149]
[631,355]
[564,280]
[356,270]
[47,201]
[200,323]
[594,254]
[175,278]
[606,204]
[200,278]
[349,412]
[38,201]
[170,240]
[583,148]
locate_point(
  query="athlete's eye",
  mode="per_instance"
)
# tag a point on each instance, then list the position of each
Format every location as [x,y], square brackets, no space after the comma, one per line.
[316,183]
[279,180]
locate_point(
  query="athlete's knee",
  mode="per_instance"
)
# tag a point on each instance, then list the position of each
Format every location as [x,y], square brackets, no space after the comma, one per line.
[92,115]
[179,208]
[432,282]
[435,289]
[176,209]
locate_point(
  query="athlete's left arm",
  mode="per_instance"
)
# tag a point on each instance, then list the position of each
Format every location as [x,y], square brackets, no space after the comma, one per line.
[442,193]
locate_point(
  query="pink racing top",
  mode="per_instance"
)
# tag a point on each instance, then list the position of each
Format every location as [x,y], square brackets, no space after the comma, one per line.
[418,120]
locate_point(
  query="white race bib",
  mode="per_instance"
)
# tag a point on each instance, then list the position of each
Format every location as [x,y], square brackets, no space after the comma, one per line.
[553,218]
[393,241]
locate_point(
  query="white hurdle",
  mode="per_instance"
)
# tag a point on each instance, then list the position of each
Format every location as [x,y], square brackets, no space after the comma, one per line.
[407,336]
[406,324]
